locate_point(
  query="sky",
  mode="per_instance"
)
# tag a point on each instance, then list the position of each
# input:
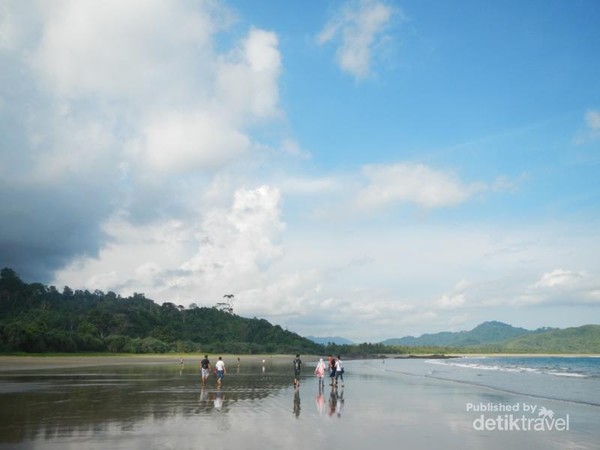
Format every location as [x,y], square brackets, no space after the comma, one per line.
[368,169]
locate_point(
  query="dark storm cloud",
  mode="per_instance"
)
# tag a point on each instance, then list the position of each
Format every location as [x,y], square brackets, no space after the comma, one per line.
[42,229]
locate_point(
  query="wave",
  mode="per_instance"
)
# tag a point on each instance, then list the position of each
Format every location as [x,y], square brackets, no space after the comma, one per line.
[513,368]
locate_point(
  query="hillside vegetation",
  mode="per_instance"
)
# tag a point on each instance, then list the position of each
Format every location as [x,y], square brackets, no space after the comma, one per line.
[498,337]
[38,318]
[584,339]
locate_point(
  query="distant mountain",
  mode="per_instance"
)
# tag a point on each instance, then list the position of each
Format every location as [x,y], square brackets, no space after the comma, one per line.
[330,340]
[584,339]
[492,332]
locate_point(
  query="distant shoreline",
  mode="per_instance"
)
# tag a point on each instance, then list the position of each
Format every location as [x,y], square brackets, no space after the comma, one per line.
[489,355]
[57,361]
[43,362]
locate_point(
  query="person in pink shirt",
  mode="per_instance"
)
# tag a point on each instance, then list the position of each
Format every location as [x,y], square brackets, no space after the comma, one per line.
[320,372]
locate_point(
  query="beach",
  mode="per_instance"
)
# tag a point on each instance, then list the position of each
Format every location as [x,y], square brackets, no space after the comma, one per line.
[156,402]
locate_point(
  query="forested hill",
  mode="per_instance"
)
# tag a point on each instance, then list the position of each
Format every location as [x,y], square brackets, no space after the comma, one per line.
[487,333]
[38,318]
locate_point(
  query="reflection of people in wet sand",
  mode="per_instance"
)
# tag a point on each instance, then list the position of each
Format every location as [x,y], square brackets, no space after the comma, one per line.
[336,402]
[218,401]
[332,401]
[203,395]
[220,371]
[205,369]
[297,402]
[320,401]
[320,372]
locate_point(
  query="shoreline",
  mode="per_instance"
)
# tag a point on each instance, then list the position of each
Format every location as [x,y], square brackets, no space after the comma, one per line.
[42,362]
[56,361]
[489,355]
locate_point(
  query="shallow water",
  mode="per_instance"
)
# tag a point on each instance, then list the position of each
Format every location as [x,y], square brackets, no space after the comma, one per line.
[159,406]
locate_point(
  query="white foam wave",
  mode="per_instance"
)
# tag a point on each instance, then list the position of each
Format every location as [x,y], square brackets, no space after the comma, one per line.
[511,369]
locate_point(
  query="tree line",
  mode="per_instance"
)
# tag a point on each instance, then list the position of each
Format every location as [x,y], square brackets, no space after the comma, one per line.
[36,318]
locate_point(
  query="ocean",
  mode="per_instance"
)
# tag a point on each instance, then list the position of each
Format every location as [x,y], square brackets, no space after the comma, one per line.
[560,366]
[567,378]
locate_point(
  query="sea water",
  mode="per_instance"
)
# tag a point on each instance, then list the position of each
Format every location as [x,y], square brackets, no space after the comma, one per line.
[568,378]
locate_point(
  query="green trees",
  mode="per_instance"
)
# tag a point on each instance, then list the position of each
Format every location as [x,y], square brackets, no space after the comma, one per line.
[37,318]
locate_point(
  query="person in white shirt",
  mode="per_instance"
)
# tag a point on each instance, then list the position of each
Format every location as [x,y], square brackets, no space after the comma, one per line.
[339,371]
[220,371]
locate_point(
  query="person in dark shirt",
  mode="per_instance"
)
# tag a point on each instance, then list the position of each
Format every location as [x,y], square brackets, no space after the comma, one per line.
[205,369]
[332,363]
[297,364]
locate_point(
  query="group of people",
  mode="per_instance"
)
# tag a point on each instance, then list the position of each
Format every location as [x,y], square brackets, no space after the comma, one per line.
[219,370]
[334,366]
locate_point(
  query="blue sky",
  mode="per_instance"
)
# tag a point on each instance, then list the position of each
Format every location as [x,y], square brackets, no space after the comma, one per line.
[369,169]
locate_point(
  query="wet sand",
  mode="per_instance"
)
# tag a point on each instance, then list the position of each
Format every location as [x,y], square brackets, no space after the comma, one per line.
[155,403]
[8,363]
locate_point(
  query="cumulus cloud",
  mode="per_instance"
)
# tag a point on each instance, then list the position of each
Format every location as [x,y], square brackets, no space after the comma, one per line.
[120,109]
[224,250]
[359,28]
[177,142]
[456,298]
[120,49]
[412,183]
[561,286]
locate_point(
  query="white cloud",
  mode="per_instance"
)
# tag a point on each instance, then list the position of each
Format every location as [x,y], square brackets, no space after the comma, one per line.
[181,142]
[592,119]
[121,49]
[173,101]
[359,25]
[591,130]
[559,277]
[128,101]
[562,287]
[224,250]
[246,79]
[412,183]
[455,299]
[293,148]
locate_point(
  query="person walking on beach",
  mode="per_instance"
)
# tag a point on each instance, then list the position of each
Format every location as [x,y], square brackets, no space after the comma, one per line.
[205,369]
[220,371]
[339,371]
[297,364]
[320,373]
[331,369]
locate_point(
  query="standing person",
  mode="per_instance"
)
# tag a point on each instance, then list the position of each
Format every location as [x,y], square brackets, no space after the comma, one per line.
[320,373]
[297,364]
[339,371]
[205,369]
[220,371]
[331,369]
